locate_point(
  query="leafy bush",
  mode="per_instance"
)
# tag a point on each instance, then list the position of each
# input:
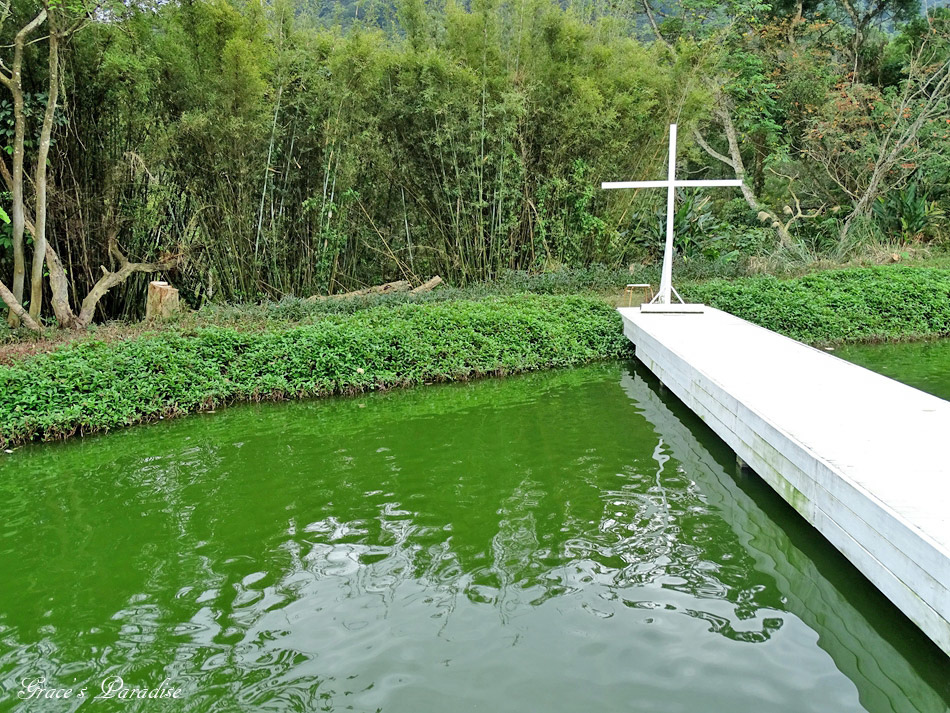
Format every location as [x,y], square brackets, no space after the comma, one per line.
[96,386]
[733,244]
[907,213]
[860,304]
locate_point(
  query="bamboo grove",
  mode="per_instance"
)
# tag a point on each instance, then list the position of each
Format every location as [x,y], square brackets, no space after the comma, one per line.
[252,149]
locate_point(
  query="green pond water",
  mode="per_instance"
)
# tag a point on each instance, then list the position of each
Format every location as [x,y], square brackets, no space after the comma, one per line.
[923,365]
[572,541]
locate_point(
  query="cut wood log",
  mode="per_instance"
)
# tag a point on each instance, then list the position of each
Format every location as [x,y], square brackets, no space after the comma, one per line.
[162,301]
[385,289]
[427,286]
[389,287]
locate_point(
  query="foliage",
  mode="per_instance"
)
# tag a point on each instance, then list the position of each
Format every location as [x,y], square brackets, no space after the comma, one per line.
[692,222]
[95,386]
[859,304]
[906,213]
[302,348]
[294,148]
[278,156]
[827,106]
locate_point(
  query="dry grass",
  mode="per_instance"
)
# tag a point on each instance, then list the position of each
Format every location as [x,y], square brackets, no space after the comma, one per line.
[22,344]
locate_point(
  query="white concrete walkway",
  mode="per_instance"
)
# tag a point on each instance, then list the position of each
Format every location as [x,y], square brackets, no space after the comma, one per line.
[863,458]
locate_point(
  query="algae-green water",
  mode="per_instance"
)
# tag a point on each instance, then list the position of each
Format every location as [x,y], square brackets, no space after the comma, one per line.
[923,365]
[571,541]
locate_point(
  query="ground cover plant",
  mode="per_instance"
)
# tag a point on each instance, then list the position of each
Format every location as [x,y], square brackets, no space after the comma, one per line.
[92,386]
[858,304]
[119,375]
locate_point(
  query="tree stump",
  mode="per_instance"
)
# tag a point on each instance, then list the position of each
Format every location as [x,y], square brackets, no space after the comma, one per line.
[162,301]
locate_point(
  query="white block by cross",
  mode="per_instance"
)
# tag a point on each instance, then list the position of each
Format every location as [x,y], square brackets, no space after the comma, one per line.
[664,295]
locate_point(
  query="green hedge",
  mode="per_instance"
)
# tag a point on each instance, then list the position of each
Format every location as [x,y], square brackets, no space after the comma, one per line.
[95,386]
[860,304]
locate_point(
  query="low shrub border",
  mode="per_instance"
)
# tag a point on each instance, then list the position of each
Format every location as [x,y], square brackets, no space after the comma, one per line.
[94,386]
[91,386]
[837,306]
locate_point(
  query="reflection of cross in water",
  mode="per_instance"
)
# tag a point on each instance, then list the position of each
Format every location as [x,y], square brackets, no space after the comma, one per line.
[664,295]
[662,457]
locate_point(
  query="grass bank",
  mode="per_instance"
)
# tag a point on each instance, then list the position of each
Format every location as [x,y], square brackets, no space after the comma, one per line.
[126,374]
[92,386]
[837,306]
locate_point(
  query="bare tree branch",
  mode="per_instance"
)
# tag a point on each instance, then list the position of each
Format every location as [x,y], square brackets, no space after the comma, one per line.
[734,161]
[112,279]
[656,28]
[710,150]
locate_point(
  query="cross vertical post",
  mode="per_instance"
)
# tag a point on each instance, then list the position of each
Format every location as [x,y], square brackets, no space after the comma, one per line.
[666,278]
[666,292]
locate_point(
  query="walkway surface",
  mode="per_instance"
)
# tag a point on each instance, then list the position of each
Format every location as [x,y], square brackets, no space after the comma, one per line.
[863,458]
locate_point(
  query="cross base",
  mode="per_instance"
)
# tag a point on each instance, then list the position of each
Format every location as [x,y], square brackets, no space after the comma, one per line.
[674,308]
[659,305]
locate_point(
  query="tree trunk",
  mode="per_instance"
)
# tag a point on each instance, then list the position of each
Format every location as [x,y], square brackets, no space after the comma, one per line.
[385,289]
[14,83]
[59,283]
[59,287]
[795,22]
[734,159]
[17,309]
[110,279]
[39,240]
[758,169]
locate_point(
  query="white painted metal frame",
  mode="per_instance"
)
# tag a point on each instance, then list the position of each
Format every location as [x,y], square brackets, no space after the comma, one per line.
[666,292]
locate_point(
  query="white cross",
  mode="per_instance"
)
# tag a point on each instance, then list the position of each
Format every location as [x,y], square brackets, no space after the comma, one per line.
[665,294]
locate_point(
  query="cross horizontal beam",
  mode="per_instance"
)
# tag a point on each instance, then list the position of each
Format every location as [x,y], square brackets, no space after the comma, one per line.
[675,184]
